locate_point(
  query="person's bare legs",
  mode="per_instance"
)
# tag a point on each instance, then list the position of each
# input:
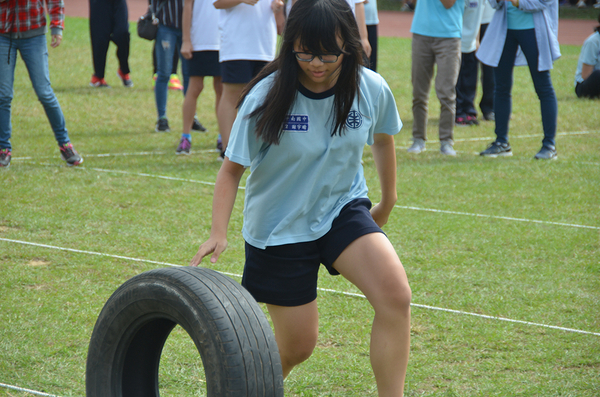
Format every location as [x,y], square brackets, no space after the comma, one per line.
[218,87]
[371,263]
[296,332]
[226,112]
[195,87]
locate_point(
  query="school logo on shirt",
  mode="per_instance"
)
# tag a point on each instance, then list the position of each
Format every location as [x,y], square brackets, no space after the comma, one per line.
[354,120]
[296,123]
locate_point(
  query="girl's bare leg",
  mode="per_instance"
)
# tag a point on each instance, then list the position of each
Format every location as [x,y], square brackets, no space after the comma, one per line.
[296,332]
[371,263]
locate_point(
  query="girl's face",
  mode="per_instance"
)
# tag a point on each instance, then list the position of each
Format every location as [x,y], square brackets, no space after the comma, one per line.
[316,75]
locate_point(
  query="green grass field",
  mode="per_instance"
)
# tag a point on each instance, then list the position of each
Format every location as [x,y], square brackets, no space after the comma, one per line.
[486,238]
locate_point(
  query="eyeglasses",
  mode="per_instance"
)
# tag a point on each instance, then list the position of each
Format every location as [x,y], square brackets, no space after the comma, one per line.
[325,58]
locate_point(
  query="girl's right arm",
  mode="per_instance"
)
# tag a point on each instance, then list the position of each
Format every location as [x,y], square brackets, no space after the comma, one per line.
[226,187]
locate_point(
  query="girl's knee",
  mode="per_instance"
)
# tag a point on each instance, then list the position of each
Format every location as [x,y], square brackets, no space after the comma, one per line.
[297,353]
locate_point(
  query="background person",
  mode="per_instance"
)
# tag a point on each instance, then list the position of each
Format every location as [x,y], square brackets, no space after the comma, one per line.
[486,104]
[587,76]
[466,86]
[109,22]
[248,38]
[26,33]
[200,50]
[436,30]
[522,32]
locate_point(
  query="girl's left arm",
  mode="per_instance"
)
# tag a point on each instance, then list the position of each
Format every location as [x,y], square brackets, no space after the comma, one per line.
[384,154]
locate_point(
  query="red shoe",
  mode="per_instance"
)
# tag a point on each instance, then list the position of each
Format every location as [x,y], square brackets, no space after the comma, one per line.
[100,83]
[125,79]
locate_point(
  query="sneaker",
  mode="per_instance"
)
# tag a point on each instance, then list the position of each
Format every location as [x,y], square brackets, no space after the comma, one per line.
[418,146]
[472,120]
[447,149]
[99,83]
[581,4]
[497,149]
[489,116]
[597,5]
[174,83]
[162,125]
[219,144]
[184,146]
[221,156]
[5,156]
[125,79]
[197,126]
[460,121]
[70,155]
[546,153]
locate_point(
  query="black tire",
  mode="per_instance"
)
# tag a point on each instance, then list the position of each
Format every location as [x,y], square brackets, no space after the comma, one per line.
[231,332]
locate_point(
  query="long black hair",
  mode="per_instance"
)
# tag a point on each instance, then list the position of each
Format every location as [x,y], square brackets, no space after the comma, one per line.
[317,24]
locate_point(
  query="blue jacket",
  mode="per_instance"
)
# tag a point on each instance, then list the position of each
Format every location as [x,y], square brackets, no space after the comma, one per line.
[545,19]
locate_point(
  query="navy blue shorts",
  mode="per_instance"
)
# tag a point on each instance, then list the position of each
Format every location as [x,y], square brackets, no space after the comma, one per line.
[286,275]
[204,63]
[240,72]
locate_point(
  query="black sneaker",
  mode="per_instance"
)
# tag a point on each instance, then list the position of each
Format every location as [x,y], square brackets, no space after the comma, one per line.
[162,125]
[497,149]
[197,126]
[5,156]
[546,153]
[489,116]
[70,155]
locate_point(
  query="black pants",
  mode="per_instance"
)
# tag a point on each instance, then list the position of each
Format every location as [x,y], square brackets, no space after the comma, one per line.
[466,86]
[109,22]
[373,38]
[590,87]
[487,81]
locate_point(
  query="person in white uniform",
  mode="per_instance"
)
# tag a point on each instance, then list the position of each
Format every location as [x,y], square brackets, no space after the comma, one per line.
[301,129]
[248,39]
[200,51]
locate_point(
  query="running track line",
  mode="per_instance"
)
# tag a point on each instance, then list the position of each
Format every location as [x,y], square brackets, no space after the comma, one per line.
[397,206]
[397,147]
[37,393]
[321,289]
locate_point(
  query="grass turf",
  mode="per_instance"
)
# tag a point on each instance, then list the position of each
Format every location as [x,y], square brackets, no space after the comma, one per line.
[513,238]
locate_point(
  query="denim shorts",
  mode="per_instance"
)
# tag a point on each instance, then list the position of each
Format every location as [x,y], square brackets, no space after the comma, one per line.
[240,72]
[286,275]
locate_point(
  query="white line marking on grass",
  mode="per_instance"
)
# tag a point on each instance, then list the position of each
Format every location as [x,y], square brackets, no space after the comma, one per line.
[488,138]
[37,393]
[398,206]
[320,289]
[508,218]
[170,178]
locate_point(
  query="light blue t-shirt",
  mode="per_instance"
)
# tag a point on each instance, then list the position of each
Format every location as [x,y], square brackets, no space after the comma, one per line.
[590,55]
[371,17]
[518,19]
[297,188]
[432,19]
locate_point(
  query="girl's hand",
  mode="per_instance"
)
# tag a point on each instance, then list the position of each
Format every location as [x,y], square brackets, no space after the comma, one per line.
[214,246]
[514,2]
[186,49]
[277,5]
[380,214]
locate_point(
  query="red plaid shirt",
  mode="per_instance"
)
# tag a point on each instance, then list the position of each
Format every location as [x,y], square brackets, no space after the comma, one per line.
[18,16]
